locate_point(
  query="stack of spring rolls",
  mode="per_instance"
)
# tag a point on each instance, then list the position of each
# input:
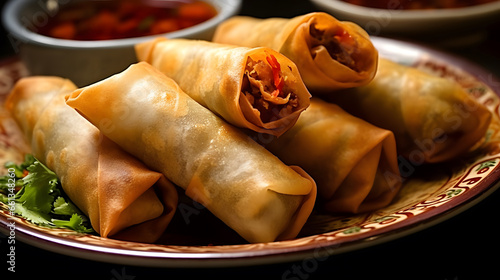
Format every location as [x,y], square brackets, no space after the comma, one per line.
[217,165]
[233,124]
[121,196]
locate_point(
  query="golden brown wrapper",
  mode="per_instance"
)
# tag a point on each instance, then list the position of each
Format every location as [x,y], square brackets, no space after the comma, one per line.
[122,198]
[432,118]
[240,182]
[13,145]
[349,60]
[353,162]
[212,74]
[29,98]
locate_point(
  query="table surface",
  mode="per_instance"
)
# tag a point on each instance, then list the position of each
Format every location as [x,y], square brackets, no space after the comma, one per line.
[462,247]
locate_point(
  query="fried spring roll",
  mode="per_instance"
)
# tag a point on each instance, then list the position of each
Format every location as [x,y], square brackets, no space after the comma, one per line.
[329,54]
[258,89]
[122,198]
[13,145]
[432,118]
[353,162]
[239,181]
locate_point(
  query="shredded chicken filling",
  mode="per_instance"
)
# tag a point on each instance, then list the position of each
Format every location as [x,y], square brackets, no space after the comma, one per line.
[339,44]
[263,89]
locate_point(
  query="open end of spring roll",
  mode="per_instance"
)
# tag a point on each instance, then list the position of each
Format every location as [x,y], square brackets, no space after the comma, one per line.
[265,95]
[240,182]
[122,198]
[258,89]
[353,162]
[329,54]
[433,118]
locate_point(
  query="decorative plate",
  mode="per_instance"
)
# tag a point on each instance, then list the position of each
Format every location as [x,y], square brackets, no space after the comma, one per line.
[429,196]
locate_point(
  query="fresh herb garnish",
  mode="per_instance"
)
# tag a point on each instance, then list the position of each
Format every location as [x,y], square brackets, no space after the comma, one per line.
[39,197]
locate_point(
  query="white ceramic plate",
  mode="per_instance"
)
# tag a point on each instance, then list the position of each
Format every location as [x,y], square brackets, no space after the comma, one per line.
[430,196]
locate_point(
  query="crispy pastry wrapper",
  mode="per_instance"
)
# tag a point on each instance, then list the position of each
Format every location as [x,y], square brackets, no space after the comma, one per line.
[432,118]
[122,198]
[329,54]
[215,76]
[13,146]
[353,162]
[239,181]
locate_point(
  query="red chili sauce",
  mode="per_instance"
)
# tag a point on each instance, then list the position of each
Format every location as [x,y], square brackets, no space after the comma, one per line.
[417,4]
[118,19]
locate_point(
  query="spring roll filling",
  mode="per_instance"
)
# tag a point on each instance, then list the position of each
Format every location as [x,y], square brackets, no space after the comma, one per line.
[339,44]
[267,90]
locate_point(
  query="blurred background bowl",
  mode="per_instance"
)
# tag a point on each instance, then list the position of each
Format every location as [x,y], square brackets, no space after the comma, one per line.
[85,62]
[422,24]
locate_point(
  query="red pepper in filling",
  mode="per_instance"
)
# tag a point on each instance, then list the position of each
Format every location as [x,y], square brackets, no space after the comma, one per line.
[265,90]
[342,36]
[278,80]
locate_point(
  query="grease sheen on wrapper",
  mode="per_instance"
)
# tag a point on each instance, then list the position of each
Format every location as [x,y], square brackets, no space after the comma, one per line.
[329,54]
[432,118]
[354,163]
[122,198]
[239,181]
[258,88]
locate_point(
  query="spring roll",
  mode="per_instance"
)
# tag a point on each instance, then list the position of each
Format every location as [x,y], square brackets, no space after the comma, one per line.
[258,89]
[217,165]
[432,118]
[122,198]
[329,54]
[353,162]
[13,146]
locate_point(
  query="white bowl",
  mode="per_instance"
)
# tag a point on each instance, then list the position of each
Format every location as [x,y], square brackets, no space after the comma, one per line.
[85,62]
[407,22]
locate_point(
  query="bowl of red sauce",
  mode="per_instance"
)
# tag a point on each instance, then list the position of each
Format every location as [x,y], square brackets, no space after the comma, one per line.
[431,18]
[89,40]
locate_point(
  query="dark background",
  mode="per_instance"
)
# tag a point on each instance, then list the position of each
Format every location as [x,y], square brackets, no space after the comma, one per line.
[466,246]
